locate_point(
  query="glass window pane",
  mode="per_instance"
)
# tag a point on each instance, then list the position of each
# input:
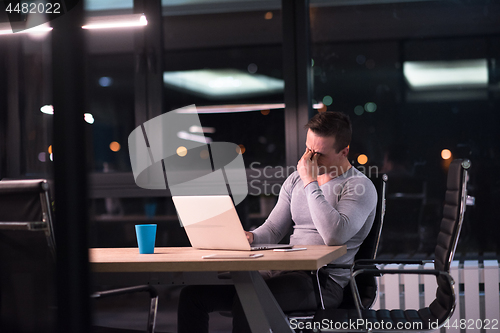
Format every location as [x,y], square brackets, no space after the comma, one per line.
[110,86]
[419,94]
[205,65]
[34,70]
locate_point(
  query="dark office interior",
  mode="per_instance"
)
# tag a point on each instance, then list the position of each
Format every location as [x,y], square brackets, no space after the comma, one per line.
[360,57]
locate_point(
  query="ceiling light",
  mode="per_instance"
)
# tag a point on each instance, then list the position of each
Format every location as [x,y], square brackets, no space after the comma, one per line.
[199,129]
[193,137]
[432,75]
[116,21]
[233,108]
[96,22]
[6,29]
[239,108]
[223,83]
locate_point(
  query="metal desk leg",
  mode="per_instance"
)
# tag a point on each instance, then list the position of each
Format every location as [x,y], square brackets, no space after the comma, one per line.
[261,309]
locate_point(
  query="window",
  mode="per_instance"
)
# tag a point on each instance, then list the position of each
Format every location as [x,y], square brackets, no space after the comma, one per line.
[370,61]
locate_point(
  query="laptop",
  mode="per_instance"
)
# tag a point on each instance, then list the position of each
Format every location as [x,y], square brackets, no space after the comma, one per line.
[211,222]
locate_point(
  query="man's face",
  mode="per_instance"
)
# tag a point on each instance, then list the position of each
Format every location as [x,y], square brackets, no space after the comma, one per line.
[328,158]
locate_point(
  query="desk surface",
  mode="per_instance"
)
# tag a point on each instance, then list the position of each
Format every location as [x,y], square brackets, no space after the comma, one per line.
[188,259]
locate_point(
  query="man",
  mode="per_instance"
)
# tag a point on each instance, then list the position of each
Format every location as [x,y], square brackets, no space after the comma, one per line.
[326,201]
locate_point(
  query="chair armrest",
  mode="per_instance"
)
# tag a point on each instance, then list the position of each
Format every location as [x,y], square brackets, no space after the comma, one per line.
[400,271]
[392,261]
[36,225]
[343,266]
[378,272]
[128,290]
[352,267]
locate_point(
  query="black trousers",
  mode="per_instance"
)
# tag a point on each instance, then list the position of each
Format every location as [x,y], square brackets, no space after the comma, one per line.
[293,290]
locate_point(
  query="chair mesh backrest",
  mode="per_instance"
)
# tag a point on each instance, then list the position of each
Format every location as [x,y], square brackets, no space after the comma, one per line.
[451,223]
[26,259]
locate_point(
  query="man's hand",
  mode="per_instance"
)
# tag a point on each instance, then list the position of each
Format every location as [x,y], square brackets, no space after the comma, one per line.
[249,236]
[308,167]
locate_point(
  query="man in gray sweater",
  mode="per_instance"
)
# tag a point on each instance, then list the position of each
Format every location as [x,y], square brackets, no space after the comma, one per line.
[326,201]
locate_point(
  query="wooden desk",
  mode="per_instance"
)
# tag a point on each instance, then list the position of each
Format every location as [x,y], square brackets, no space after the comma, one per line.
[188,259]
[261,309]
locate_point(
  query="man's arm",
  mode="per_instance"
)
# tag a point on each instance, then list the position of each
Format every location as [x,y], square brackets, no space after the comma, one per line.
[279,221]
[337,225]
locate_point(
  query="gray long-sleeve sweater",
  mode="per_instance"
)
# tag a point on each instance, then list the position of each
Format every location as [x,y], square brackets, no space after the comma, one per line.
[338,212]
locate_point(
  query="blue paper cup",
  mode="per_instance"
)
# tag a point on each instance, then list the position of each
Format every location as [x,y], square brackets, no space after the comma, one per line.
[146,235]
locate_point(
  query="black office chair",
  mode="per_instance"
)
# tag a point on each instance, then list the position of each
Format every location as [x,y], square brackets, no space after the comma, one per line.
[368,250]
[441,309]
[27,261]
[367,285]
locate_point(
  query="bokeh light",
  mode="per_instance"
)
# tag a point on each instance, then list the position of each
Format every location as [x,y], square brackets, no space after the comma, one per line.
[359,110]
[47,109]
[114,146]
[370,107]
[268,16]
[182,151]
[265,112]
[327,100]
[240,149]
[89,118]
[362,159]
[445,154]
[252,68]
[49,150]
[105,81]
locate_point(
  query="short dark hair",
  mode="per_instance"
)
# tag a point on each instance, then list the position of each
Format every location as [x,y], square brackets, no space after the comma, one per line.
[336,124]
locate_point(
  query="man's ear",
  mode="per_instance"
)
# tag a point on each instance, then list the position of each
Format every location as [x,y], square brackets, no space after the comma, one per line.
[345,151]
